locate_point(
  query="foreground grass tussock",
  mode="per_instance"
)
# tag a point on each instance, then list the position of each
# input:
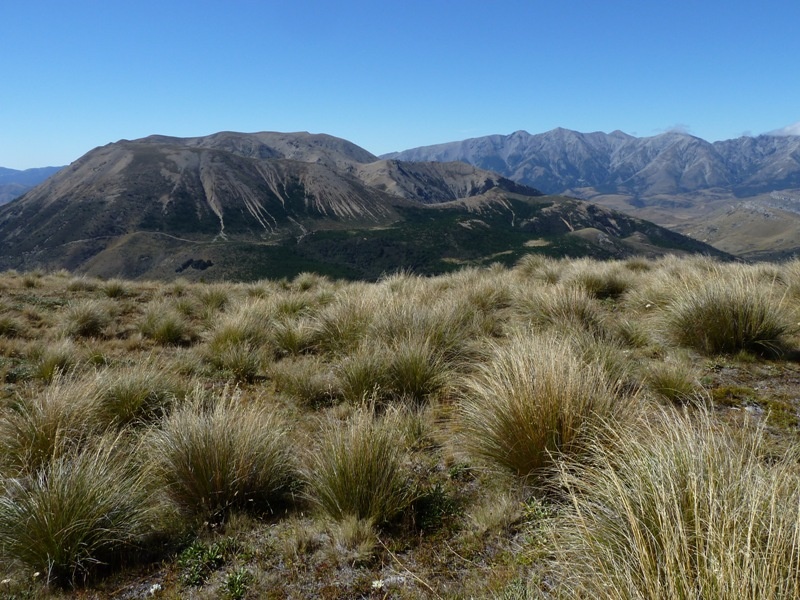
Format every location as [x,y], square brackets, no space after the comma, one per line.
[357,469]
[217,454]
[82,510]
[728,316]
[533,401]
[681,508]
[558,429]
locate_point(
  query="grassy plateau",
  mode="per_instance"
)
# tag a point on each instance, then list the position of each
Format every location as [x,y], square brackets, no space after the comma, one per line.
[555,428]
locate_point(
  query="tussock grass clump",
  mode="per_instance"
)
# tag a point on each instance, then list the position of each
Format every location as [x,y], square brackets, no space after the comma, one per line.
[306,379]
[136,394]
[416,370]
[292,336]
[363,374]
[675,381]
[249,322]
[534,399]
[357,469]
[242,361]
[564,306]
[218,455]
[82,510]
[116,288]
[727,316]
[214,297]
[82,284]
[602,282]
[55,358]
[45,423]
[163,324]
[11,327]
[87,319]
[341,325]
[677,507]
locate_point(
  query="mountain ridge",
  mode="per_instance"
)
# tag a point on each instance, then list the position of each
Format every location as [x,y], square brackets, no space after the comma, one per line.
[562,160]
[270,204]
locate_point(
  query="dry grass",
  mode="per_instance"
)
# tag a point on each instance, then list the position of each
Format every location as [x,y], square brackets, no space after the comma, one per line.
[217,454]
[357,469]
[81,511]
[533,401]
[509,433]
[678,507]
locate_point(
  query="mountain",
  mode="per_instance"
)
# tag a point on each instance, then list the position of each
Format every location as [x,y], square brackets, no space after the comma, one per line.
[14,183]
[674,179]
[671,163]
[272,204]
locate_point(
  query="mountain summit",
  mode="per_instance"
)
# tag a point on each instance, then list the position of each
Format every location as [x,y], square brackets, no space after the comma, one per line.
[271,204]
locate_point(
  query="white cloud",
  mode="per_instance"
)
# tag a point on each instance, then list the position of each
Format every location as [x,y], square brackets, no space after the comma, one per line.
[793,129]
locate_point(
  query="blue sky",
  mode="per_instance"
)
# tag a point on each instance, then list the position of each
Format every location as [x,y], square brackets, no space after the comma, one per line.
[389,75]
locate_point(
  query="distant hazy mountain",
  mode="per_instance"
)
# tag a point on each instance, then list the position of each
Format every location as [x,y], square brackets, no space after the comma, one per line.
[273,204]
[720,193]
[561,161]
[14,183]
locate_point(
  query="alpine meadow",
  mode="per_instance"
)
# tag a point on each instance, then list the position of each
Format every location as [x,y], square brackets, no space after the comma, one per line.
[557,428]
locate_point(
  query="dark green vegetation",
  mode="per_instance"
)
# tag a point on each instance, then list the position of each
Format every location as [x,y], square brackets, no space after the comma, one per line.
[464,435]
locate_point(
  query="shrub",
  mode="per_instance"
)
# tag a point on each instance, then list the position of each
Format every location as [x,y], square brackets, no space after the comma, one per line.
[677,507]
[534,400]
[224,456]
[357,469]
[725,317]
[81,511]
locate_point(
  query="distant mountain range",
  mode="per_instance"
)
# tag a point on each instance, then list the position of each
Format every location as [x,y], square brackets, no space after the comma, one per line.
[674,179]
[274,204]
[616,163]
[14,183]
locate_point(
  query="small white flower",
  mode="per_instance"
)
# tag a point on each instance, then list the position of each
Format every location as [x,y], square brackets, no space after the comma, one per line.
[377,584]
[156,587]
[35,575]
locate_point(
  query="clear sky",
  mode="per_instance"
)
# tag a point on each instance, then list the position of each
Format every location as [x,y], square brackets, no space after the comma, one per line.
[392,74]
